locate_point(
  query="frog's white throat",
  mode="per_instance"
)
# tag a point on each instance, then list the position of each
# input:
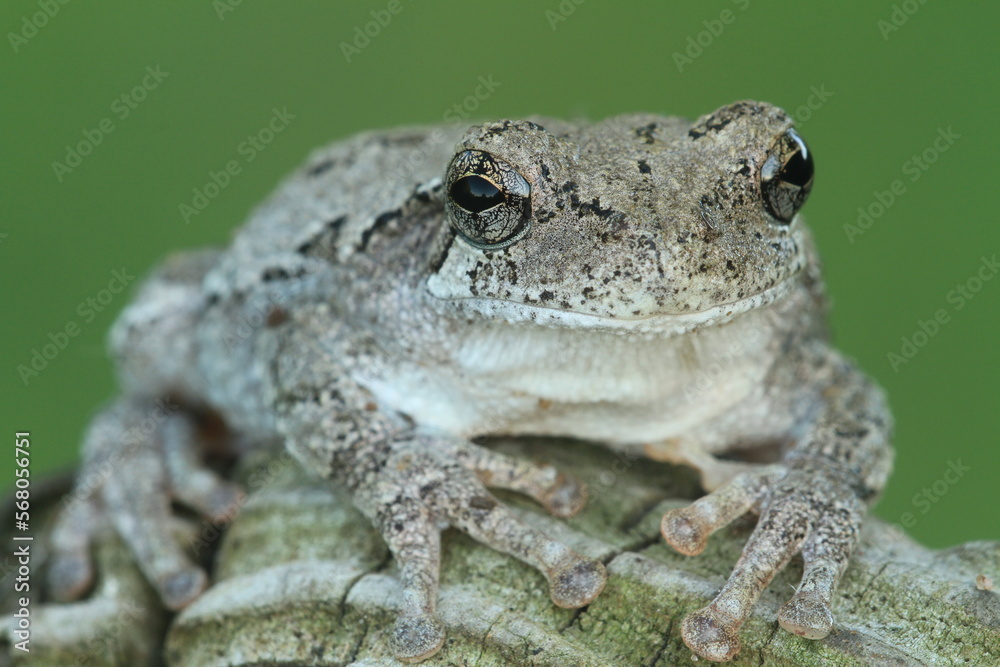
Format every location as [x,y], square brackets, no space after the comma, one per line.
[660,325]
[598,383]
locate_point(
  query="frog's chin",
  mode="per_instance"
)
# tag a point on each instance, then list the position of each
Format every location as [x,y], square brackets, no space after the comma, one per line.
[654,324]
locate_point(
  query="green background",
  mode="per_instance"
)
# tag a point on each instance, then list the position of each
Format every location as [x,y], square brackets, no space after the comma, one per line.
[887,96]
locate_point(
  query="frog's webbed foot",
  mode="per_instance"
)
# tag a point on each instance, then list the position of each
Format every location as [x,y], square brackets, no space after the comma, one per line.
[812,510]
[140,455]
[421,486]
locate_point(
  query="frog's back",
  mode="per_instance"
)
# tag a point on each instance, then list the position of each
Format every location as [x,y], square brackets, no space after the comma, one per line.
[324,213]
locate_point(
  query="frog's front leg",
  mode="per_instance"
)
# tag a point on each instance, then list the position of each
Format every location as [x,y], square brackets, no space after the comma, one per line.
[412,483]
[812,501]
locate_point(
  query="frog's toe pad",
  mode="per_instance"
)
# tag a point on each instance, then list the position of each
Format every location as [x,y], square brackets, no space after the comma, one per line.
[711,635]
[181,588]
[806,615]
[416,638]
[685,532]
[566,497]
[69,576]
[578,583]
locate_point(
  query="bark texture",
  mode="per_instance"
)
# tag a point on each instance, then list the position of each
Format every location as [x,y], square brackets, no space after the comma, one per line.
[301,579]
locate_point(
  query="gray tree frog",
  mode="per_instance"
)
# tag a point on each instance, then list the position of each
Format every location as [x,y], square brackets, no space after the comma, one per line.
[645,282]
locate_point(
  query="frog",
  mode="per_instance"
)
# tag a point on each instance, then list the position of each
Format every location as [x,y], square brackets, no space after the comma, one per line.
[644,282]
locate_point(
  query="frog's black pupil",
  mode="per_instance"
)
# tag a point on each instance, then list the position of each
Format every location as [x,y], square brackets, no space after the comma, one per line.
[799,168]
[475,194]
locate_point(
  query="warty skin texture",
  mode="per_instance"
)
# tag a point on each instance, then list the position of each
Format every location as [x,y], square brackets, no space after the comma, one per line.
[650,298]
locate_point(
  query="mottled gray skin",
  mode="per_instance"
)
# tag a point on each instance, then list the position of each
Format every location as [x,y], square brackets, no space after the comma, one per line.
[652,300]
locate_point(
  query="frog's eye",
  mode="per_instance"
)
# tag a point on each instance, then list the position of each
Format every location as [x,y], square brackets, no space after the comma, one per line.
[786,176]
[489,203]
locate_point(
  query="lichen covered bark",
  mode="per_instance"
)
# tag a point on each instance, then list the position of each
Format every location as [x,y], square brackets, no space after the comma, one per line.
[301,579]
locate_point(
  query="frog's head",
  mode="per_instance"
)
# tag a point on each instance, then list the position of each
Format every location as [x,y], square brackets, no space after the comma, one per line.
[635,222]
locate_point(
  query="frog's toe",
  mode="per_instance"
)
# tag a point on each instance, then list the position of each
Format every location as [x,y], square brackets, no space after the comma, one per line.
[825,554]
[180,588]
[578,582]
[807,615]
[420,490]
[191,481]
[712,632]
[687,529]
[71,570]
[561,494]
[416,638]
[566,497]
[711,635]
[414,539]
[139,508]
[574,579]
[69,576]
[815,511]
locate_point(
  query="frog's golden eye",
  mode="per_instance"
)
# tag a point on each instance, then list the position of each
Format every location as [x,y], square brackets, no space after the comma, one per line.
[786,176]
[489,203]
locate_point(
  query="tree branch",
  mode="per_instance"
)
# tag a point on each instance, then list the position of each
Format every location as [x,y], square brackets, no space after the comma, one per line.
[301,578]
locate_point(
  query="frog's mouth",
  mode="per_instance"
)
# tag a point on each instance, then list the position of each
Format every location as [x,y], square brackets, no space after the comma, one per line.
[661,324]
